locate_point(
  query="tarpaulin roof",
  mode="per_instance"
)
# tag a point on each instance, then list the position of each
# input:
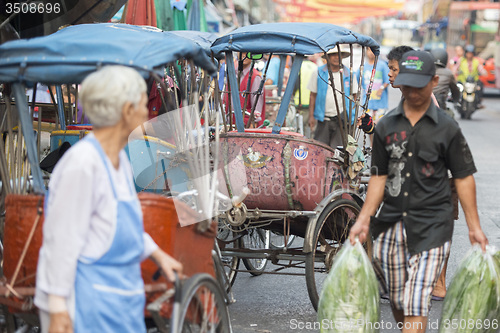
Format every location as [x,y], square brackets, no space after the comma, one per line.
[72,53]
[203,39]
[300,38]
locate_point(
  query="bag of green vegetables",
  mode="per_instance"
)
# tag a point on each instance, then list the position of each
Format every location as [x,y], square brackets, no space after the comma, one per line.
[472,303]
[497,257]
[349,300]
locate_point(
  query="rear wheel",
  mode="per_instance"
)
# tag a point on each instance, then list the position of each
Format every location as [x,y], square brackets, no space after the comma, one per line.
[229,239]
[255,239]
[203,308]
[331,231]
[277,240]
[469,109]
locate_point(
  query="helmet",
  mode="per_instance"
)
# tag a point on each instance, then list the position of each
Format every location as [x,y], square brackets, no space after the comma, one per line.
[441,57]
[469,48]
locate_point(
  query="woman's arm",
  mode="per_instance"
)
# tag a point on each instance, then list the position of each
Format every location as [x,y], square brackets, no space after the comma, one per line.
[167,264]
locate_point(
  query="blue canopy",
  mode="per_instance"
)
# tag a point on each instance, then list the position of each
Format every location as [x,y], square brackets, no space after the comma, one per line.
[203,39]
[299,38]
[72,53]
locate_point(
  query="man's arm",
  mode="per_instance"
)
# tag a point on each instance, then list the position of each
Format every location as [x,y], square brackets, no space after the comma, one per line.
[374,197]
[466,189]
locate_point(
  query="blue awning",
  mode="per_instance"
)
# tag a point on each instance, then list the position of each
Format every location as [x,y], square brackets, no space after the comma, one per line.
[72,53]
[300,38]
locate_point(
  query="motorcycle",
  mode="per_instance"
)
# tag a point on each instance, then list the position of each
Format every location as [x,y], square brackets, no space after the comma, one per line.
[469,97]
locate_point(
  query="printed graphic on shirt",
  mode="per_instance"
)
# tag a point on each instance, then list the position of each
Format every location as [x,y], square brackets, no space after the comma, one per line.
[396,147]
[378,81]
[466,151]
[427,169]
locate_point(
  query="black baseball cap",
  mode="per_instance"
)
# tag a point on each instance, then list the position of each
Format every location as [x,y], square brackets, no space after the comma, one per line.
[416,69]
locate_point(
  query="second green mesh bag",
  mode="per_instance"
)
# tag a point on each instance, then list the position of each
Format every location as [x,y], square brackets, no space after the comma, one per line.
[349,300]
[472,303]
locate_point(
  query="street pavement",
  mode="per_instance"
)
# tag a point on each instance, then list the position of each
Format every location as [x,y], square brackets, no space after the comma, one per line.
[280,304]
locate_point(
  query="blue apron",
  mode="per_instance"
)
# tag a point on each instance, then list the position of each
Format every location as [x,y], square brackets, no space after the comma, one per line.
[109,291]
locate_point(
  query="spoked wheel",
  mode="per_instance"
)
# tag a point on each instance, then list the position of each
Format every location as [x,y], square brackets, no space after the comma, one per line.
[255,239]
[228,238]
[203,308]
[331,231]
[277,240]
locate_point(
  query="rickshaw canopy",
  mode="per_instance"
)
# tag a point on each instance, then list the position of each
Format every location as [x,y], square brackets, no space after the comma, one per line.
[298,38]
[203,39]
[72,53]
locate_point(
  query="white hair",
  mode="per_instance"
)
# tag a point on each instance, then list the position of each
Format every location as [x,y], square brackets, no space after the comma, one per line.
[105,92]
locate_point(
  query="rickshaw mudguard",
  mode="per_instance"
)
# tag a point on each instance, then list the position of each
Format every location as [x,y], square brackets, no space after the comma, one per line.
[313,220]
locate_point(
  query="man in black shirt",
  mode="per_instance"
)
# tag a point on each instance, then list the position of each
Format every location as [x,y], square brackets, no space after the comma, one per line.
[414,147]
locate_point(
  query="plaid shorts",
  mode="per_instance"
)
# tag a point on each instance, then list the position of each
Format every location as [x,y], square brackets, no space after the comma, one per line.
[409,280]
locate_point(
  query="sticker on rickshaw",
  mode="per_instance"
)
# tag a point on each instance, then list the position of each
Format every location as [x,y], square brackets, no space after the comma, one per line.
[254,159]
[300,153]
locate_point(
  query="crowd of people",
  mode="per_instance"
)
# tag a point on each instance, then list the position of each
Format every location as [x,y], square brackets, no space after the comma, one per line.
[320,112]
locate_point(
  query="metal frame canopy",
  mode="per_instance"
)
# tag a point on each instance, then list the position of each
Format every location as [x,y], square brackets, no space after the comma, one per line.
[283,38]
[72,53]
[298,38]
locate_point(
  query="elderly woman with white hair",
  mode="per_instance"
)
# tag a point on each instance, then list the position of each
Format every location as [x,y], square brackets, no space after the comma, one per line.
[89,276]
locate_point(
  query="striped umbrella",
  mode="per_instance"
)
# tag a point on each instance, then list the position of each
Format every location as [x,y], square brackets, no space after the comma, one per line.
[164,15]
[141,12]
[179,14]
[196,19]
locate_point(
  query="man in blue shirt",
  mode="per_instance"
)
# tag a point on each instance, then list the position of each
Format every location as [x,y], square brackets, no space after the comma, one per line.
[323,113]
[273,70]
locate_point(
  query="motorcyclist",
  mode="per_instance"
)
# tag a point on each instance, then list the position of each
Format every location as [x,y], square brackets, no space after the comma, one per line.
[446,79]
[471,66]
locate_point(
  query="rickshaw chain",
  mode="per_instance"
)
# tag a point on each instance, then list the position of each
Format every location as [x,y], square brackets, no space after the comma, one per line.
[170,167]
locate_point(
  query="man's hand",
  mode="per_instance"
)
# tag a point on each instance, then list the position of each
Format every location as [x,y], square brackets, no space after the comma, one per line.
[360,229]
[312,123]
[167,264]
[477,236]
[60,322]
[365,122]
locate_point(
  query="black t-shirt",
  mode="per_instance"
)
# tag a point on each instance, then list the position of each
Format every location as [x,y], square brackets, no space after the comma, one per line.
[416,160]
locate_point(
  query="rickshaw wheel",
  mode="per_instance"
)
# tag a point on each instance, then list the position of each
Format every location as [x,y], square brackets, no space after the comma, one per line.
[277,240]
[203,308]
[256,239]
[231,264]
[331,231]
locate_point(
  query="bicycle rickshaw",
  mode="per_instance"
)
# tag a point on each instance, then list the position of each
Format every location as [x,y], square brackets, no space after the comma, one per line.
[296,186]
[67,57]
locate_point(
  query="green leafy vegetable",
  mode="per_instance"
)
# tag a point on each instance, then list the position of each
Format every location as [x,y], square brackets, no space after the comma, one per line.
[472,303]
[496,256]
[349,301]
